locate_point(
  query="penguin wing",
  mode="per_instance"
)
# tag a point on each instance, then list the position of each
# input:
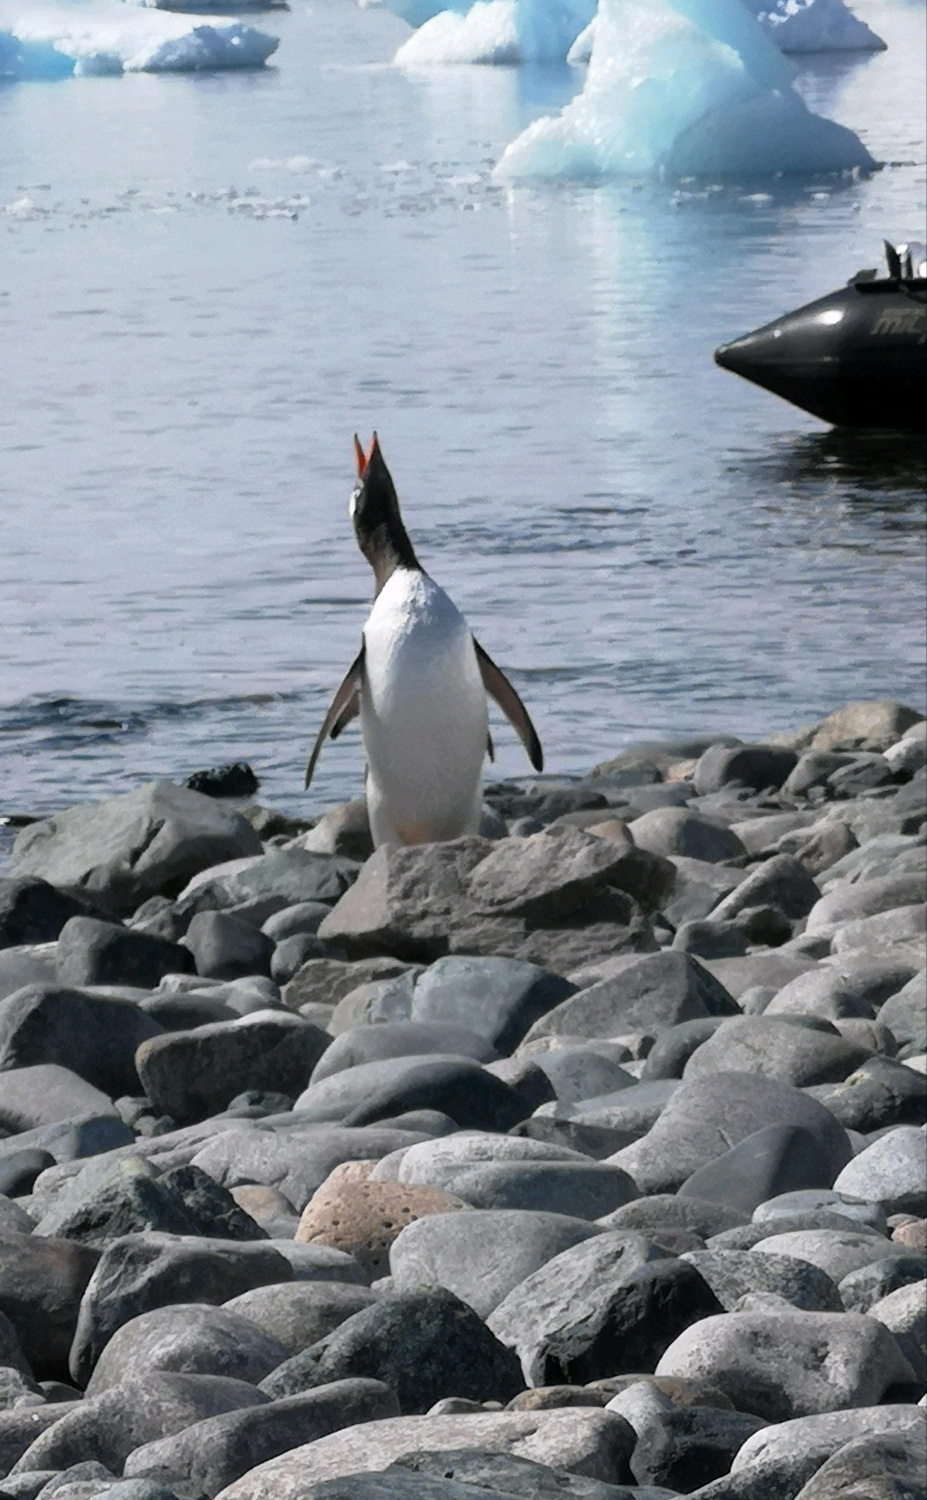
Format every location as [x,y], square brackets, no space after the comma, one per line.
[341,710]
[498,687]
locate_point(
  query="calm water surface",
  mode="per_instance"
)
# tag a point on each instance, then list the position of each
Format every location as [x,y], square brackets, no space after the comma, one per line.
[207,283]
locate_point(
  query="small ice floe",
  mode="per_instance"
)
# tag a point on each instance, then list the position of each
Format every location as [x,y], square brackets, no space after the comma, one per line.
[501,32]
[109,37]
[683,88]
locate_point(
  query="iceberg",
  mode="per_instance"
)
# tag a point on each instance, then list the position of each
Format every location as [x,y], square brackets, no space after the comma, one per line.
[498,31]
[56,41]
[794,26]
[210,7]
[682,88]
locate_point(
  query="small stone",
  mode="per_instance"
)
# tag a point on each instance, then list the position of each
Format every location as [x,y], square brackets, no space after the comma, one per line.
[754,766]
[234,780]
[225,947]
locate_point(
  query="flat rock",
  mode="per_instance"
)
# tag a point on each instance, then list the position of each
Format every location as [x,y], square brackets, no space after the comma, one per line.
[892,1171]
[481,1259]
[776,1049]
[191,1338]
[291,875]
[778,1159]
[707,1116]
[139,1272]
[300,1313]
[593,1443]
[93,1036]
[363,1218]
[41,1285]
[141,844]
[191,1075]
[217,1451]
[647,992]
[107,1427]
[788,1364]
[424,1345]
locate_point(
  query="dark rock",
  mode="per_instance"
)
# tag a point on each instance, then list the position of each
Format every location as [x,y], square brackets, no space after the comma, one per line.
[71,1139]
[754,766]
[93,952]
[147,842]
[690,1446]
[481,1257]
[191,1338]
[499,998]
[638,992]
[674,1046]
[32,911]
[781,882]
[19,1170]
[698,889]
[92,1035]
[289,956]
[812,1200]
[707,1116]
[423,1345]
[583,1190]
[128,1198]
[192,1075]
[212,1454]
[814,769]
[33,964]
[678,830]
[225,947]
[584,1072]
[878,1093]
[777,1159]
[662,1211]
[186,1009]
[293,875]
[707,939]
[140,1272]
[735,1274]
[776,1049]
[158,917]
[596,1141]
[107,1426]
[300,1313]
[367,1044]
[861,774]
[893,1465]
[234,780]
[41,1285]
[868,1284]
[374,1091]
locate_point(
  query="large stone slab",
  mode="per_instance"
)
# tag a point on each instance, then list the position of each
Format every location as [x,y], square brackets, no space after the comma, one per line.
[145,843]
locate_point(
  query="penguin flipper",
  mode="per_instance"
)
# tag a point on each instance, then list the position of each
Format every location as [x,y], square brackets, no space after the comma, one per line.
[498,687]
[343,707]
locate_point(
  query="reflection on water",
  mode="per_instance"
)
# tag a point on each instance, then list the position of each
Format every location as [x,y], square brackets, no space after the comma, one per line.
[886,472]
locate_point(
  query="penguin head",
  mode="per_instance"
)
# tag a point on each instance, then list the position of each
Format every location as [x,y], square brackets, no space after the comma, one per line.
[374,510]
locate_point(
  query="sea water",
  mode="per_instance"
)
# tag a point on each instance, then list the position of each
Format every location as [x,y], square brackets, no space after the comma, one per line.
[207,283]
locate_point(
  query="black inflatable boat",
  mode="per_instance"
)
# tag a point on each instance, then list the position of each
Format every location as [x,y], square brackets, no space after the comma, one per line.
[856,358]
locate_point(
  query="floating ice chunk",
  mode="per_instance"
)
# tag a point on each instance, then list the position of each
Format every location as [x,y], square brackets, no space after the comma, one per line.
[687,88]
[53,41]
[814,26]
[499,31]
[417,12]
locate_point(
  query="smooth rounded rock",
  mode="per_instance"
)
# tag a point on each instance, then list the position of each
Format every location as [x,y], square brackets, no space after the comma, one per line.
[300,1313]
[363,1218]
[892,1171]
[187,1338]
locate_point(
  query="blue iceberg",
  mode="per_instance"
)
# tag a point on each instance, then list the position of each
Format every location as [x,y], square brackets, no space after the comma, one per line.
[682,88]
[496,31]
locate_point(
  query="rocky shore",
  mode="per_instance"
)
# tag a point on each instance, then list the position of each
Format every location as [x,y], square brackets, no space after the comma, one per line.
[581,1159]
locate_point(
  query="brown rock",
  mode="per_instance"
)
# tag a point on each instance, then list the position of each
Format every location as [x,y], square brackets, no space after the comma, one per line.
[870,725]
[351,1213]
[342,830]
[549,1397]
[913,1235]
[261,1202]
[613,829]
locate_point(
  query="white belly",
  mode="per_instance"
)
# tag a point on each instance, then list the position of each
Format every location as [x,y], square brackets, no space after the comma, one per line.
[423,715]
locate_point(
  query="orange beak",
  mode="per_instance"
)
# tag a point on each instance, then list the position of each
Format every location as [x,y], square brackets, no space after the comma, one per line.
[359,457]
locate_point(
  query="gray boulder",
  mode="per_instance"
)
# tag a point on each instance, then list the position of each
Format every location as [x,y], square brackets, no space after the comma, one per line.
[904,1313]
[499,998]
[893,1464]
[111,1199]
[905,1013]
[457,1086]
[375,1043]
[582,1190]
[140,1272]
[481,1257]
[735,1274]
[48,1094]
[32,911]
[775,1049]
[892,1171]
[837,1252]
[754,766]
[776,1462]
[291,876]
[190,1338]
[300,1313]
[707,1116]
[225,947]
[95,952]
[638,992]
[779,1159]
[41,1285]
[848,903]
[838,992]
[145,843]
[192,1075]
[781,882]
[92,1035]
[678,830]
[212,1454]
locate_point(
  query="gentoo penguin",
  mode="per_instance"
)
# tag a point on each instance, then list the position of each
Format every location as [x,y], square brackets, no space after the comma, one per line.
[419,683]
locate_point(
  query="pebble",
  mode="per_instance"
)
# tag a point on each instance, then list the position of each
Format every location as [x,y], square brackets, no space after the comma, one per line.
[619,1102]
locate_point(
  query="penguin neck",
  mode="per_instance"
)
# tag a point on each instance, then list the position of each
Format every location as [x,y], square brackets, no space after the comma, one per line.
[388,549]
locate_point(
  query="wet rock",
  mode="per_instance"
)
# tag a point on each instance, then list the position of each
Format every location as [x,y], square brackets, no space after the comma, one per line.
[41,1285]
[192,1075]
[145,843]
[892,1171]
[363,1218]
[638,992]
[776,1049]
[789,1364]
[191,1338]
[592,1443]
[300,1313]
[94,1036]
[212,1454]
[225,947]
[424,1345]
[32,911]
[481,1258]
[678,830]
[107,1426]
[754,766]
[707,1116]
[140,1272]
[236,779]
